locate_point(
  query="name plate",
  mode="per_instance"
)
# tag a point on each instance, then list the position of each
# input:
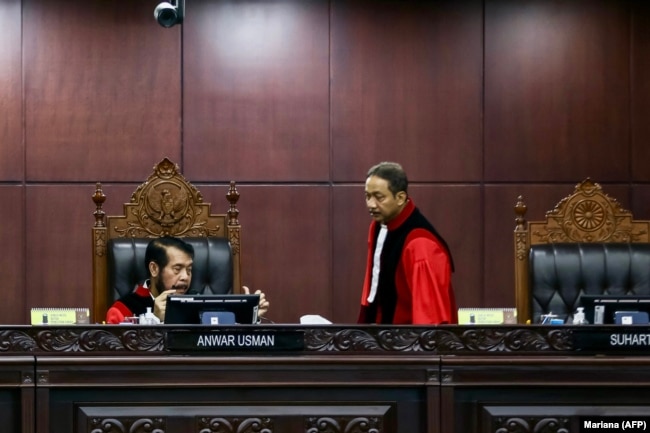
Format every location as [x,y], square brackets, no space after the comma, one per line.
[213,339]
[613,340]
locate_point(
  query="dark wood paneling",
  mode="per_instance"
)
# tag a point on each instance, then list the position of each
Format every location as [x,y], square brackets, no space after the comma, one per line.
[11,138]
[350,220]
[377,417]
[17,402]
[640,206]
[498,279]
[406,86]
[532,394]
[254,393]
[451,209]
[640,91]
[255,83]
[524,379]
[12,265]
[102,89]
[59,243]
[556,90]
[286,246]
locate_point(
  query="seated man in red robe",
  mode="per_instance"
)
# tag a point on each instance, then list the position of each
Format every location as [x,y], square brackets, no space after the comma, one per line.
[409,266]
[169,264]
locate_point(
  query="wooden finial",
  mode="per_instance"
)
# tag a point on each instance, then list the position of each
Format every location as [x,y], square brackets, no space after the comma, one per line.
[233,197]
[520,211]
[99,198]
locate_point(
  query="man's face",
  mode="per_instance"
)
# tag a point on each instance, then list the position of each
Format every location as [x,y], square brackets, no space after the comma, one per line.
[177,275]
[380,201]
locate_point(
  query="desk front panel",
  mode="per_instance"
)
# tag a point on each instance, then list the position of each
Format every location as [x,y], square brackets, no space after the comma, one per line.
[184,394]
[17,394]
[534,394]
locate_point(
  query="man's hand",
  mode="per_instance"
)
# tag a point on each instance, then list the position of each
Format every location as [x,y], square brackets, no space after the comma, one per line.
[160,304]
[263,306]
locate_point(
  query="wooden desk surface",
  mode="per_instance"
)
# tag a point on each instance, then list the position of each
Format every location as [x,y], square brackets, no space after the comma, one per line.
[345,379]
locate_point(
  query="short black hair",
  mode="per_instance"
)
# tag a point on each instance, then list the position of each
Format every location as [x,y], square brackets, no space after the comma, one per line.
[393,173]
[157,251]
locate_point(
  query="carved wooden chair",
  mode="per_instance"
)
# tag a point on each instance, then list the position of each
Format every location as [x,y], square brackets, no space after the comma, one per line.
[166,204]
[588,244]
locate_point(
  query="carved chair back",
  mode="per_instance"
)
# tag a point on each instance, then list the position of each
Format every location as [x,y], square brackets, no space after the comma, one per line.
[166,204]
[587,244]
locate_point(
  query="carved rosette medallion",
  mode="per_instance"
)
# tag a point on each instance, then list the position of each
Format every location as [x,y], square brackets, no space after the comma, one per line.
[589,215]
[588,220]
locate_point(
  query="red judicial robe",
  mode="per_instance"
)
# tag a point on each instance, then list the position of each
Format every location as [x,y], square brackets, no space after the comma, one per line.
[415,274]
[132,304]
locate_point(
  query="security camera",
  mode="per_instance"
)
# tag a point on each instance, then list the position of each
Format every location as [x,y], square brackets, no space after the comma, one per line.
[168,14]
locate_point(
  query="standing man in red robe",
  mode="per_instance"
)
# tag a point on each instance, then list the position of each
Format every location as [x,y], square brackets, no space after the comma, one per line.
[409,266]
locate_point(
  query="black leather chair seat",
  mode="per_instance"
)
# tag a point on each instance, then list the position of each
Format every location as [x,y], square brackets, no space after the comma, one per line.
[561,273]
[211,272]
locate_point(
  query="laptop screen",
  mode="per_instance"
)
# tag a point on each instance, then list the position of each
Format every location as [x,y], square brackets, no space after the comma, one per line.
[601,309]
[205,309]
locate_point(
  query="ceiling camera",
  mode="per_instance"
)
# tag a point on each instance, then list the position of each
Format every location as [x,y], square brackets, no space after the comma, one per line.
[167,14]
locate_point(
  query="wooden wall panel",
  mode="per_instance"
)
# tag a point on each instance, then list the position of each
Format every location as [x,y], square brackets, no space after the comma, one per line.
[350,220]
[556,90]
[640,91]
[11,127]
[12,265]
[255,89]
[406,86]
[295,99]
[640,202]
[102,89]
[58,245]
[58,240]
[498,278]
[286,246]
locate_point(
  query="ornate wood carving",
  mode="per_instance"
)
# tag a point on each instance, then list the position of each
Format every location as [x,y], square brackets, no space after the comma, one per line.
[588,215]
[126,425]
[234,240]
[358,424]
[382,340]
[439,340]
[166,204]
[235,419]
[531,424]
[235,424]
